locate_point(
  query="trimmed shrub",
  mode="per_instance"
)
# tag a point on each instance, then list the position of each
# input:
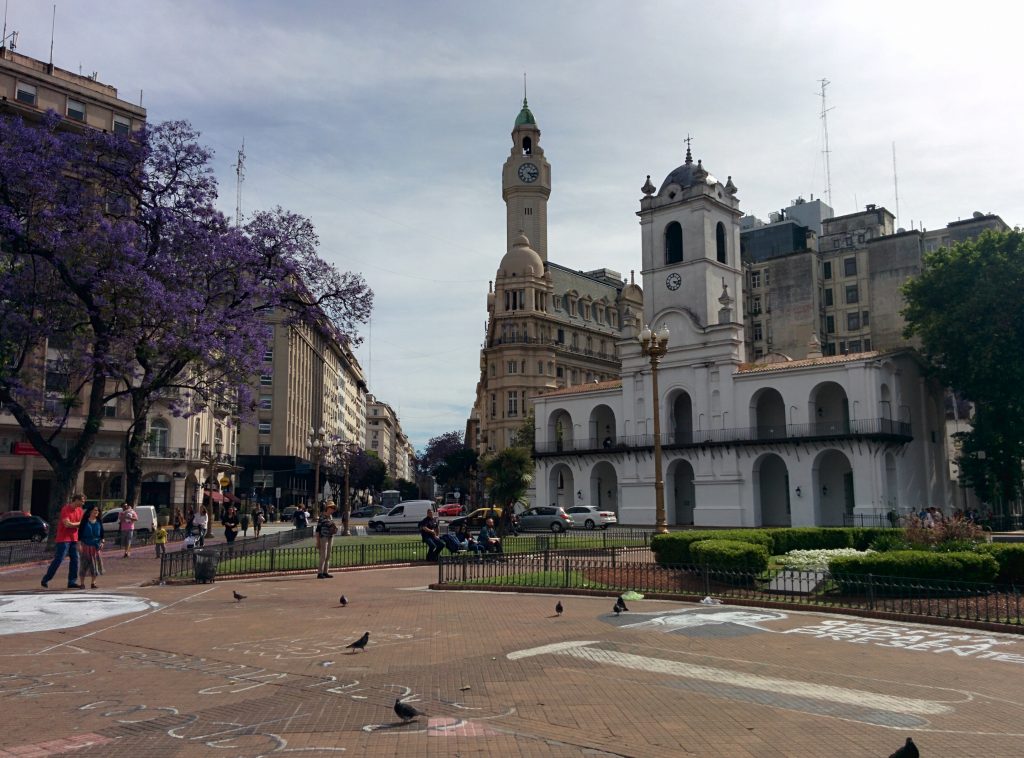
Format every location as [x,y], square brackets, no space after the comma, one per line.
[731,555]
[862,537]
[809,538]
[1010,557]
[919,564]
[675,548]
[890,539]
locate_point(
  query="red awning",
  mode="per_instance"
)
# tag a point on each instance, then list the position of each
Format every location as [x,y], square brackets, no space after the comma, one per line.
[231,498]
[215,497]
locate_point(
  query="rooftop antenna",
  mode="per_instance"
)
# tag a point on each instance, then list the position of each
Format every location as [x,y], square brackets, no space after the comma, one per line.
[53,24]
[896,186]
[826,151]
[239,178]
[524,86]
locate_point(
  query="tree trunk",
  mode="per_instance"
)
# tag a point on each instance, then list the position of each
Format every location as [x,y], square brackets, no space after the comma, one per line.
[135,440]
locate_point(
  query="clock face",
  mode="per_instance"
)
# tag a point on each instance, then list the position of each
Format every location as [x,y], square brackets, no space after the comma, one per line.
[673,281]
[528,172]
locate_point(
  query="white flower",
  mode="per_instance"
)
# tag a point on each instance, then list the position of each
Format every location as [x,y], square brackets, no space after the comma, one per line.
[816,560]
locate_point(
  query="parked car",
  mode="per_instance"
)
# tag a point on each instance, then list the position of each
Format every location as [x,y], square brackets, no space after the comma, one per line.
[405,515]
[476,519]
[450,509]
[590,517]
[287,514]
[548,517]
[13,514]
[23,528]
[367,511]
[145,525]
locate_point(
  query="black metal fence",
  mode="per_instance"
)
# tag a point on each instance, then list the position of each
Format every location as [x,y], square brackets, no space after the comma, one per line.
[23,551]
[180,562]
[622,570]
[251,558]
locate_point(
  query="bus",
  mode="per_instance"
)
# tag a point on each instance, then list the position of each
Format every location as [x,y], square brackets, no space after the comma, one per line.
[390,498]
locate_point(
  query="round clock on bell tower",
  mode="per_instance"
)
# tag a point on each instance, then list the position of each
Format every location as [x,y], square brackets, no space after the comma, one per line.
[526,185]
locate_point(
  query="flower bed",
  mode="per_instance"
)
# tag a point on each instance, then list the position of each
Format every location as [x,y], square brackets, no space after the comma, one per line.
[816,560]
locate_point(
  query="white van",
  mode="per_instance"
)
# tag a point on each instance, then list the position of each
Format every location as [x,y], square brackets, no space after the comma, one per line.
[145,526]
[403,516]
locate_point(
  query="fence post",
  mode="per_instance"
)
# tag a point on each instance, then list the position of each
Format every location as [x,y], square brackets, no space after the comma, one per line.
[273,553]
[440,569]
[362,554]
[707,580]
[613,557]
[547,560]
[604,538]
[871,591]
[566,578]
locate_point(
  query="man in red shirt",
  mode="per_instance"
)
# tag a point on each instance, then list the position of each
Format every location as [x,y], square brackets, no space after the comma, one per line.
[67,542]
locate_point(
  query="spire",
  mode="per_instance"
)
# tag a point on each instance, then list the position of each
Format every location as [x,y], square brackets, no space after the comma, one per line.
[689,155]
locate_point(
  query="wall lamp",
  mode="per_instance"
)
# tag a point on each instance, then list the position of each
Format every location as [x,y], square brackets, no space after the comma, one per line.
[798,492]
[824,489]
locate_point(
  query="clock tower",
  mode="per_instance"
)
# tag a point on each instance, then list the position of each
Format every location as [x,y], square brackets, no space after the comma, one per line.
[526,186]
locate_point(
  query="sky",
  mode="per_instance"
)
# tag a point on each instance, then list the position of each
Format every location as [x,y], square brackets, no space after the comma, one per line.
[387,124]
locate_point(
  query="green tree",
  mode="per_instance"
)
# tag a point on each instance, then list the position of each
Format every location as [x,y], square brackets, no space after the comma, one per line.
[967,311]
[526,433]
[510,473]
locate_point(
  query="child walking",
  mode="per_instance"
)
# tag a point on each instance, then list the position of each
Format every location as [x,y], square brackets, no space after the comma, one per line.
[160,540]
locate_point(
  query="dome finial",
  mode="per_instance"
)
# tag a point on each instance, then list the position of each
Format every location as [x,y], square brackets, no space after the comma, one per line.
[524,89]
[689,155]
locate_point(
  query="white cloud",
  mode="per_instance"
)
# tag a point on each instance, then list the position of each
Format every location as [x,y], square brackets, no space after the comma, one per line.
[387,123]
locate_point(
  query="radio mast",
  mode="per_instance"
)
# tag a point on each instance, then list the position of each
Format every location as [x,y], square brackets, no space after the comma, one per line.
[239,178]
[826,151]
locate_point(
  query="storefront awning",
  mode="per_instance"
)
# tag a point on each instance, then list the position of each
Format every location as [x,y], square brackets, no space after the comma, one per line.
[215,497]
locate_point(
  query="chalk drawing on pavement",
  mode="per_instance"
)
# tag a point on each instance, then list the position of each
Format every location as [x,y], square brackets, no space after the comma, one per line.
[44,612]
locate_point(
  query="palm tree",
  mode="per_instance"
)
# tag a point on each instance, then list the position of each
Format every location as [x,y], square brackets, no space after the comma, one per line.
[510,473]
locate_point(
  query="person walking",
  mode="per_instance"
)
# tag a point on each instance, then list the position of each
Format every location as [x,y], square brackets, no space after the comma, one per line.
[67,542]
[160,540]
[325,531]
[178,522]
[90,544]
[126,520]
[257,522]
[230,522]
[244,519]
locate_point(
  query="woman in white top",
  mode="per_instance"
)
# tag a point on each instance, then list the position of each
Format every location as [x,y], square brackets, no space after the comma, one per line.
[200,523]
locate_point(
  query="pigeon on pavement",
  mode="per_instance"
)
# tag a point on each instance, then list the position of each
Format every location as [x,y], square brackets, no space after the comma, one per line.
[559,608]
[360,643]
[343,601]
[238,598]
[406,712]
[622,604]
[909,750]
[616,609]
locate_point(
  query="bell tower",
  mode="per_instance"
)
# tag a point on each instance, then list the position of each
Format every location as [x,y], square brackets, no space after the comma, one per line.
[526,185]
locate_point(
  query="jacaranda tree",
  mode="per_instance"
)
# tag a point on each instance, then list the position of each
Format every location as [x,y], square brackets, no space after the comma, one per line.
[121,279]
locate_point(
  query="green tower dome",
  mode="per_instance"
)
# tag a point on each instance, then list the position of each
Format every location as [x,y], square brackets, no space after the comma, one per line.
[525,116]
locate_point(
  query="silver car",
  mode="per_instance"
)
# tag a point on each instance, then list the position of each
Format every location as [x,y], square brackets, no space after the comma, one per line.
[545,517]
[591,517]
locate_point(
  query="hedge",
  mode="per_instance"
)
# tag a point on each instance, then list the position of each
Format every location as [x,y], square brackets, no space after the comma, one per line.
[1011,561]
[919,564]
[730,555]
[675,548]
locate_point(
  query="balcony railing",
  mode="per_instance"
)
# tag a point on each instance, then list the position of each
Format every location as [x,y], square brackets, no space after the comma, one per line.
[164,452]
[564,346]
[876,428]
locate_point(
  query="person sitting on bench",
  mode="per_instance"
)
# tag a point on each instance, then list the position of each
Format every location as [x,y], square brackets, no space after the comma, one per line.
[429,534]
[489,540]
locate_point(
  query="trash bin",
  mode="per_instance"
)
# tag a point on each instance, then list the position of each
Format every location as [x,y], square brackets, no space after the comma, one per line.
[205,566]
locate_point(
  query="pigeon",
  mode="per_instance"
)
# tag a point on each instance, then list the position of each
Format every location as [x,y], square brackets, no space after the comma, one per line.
[360,643]
[909,750]
[406,712]
[616,609]
[343,600]
[559,608]
[238,598]
[622,604]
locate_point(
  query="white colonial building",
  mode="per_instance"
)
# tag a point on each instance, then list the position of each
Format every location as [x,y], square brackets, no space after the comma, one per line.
[819,441]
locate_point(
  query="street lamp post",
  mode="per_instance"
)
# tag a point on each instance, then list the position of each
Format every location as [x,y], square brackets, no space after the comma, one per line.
[211,456]
[654,345]
[344,449]
[317,447]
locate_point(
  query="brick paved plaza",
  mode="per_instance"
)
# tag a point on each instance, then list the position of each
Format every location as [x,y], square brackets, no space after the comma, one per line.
[188,671]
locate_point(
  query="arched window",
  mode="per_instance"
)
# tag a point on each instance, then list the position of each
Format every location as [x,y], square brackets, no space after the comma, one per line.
[720,242]
[527,146]
[673,243]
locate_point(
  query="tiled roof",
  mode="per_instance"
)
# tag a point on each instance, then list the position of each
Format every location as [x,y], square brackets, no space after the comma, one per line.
[611,384]
[827,360]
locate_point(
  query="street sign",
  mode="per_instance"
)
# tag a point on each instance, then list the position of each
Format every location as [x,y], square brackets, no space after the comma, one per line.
[277,493]
[224,480]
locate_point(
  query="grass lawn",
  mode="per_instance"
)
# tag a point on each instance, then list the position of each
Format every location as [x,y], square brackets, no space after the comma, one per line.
[538,579]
